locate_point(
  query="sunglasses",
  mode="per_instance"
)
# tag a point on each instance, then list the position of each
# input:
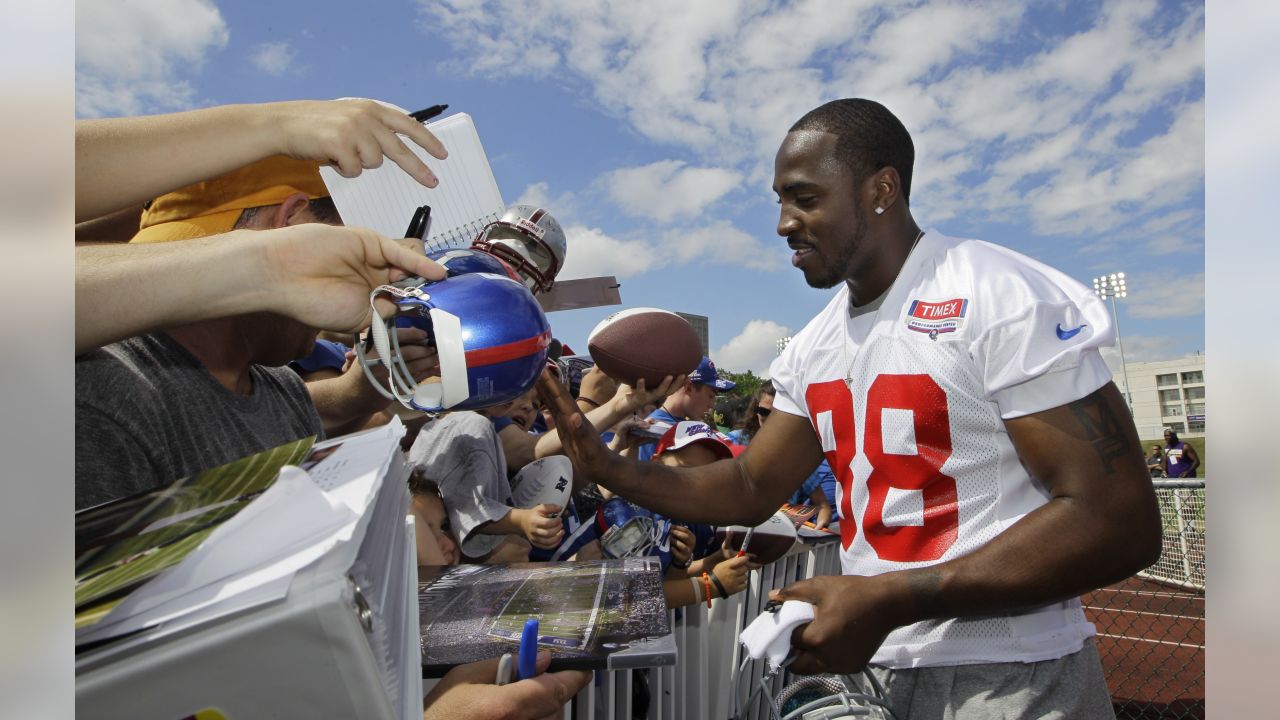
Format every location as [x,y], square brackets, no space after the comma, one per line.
[763,412]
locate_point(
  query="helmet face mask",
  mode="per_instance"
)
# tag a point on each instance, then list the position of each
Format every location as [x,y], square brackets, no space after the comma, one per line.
[488,330]
[530,240]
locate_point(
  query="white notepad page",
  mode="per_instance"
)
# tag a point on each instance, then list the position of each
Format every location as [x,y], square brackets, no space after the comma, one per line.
[384,198]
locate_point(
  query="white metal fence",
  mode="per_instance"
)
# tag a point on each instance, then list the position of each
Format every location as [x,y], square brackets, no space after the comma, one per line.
[1182,513]
[702,683]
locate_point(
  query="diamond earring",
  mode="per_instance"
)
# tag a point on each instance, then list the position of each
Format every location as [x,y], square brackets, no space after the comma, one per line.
[879,210]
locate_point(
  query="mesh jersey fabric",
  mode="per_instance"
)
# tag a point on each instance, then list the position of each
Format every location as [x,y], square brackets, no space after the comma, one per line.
[912,396]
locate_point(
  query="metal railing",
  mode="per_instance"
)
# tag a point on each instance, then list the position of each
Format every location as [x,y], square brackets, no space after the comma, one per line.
[702,683]
[1150,634]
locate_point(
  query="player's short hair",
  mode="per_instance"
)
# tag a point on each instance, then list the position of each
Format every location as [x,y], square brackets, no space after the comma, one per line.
[869,137]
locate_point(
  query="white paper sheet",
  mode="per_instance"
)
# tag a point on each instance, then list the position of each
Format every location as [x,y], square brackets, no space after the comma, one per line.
[385,198]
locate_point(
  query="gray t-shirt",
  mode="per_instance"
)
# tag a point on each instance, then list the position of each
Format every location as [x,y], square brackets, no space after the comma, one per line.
[148,413]
[462,453]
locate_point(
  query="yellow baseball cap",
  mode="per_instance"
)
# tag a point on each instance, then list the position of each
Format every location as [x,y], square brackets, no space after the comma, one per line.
[212,207]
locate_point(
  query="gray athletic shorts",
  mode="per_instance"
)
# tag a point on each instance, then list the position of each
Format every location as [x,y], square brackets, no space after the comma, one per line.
[1071,687]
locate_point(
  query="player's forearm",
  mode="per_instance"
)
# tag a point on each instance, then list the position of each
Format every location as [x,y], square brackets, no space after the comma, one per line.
[125,161]
[722,493]
[1064,548]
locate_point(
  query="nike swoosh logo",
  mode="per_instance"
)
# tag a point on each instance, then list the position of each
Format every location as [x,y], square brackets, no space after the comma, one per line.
[1068,334]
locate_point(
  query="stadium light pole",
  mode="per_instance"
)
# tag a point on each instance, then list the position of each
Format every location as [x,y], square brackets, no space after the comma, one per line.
[1113,286]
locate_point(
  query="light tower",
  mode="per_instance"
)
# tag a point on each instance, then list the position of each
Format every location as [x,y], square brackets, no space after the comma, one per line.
[1113,286]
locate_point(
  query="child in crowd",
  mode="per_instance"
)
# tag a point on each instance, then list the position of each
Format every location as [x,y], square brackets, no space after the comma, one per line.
[436,545]
[692,443]
[715,572]
[462,452]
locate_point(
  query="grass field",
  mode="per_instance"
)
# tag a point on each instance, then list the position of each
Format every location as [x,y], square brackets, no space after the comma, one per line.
[1195,442]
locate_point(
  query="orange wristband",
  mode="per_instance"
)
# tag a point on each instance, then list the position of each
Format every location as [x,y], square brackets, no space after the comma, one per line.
[706,588]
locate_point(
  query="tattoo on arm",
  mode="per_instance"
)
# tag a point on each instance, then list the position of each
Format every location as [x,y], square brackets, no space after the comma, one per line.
[1102,428]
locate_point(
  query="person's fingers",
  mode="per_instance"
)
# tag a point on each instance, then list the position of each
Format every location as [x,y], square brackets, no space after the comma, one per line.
[807,663]
[555,398]
[346,160]
[418,133]
[548,509]
[805,590]
[401,155]
[546,694]
[411,260]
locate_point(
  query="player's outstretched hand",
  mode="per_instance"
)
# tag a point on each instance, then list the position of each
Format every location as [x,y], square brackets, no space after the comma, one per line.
[591,459]
[852,616]
[467,692]
[351,135]
[321,274]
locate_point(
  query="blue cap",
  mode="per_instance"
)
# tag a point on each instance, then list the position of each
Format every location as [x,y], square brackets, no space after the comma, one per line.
[706,375]
[327,354]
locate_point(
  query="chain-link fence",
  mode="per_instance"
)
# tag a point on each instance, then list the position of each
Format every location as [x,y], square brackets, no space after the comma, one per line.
[1151,627]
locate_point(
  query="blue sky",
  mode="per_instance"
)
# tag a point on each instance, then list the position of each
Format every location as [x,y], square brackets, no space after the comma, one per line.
[1072,132]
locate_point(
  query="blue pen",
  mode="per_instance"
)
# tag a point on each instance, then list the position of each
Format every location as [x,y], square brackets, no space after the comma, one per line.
[527,660]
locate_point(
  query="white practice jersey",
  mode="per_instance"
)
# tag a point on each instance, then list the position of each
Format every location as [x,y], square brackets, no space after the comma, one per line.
[908,400]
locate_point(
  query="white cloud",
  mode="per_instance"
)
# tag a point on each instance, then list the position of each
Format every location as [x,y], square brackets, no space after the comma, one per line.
[1059,137]
[752,349]
[273,58]
[129,56]
[1138,348]
[563,206]
[593,253]
[1166,244]
[1166,294]
[722,244]
[668,189]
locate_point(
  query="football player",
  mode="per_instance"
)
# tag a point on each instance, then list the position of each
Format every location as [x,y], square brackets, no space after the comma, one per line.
[989,471]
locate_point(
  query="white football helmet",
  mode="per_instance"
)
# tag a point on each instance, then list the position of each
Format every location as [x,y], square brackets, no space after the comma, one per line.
[829,697]
[530,240]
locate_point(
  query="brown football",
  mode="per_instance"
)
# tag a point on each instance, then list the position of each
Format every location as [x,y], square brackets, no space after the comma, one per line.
[770,540]
[644,343]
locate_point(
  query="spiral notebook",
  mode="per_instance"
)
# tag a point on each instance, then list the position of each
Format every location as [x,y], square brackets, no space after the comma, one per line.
[385,198]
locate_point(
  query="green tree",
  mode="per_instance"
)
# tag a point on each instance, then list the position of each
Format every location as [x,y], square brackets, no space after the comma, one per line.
[747,382]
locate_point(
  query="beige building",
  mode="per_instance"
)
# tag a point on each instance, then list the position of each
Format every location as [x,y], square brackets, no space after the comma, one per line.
[700,326]
[1167,393]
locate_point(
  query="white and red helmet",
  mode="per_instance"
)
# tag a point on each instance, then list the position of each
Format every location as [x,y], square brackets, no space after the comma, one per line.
[528,239]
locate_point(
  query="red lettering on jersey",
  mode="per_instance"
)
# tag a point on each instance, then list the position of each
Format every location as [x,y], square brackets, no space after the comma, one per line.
[833,396]
[923,471]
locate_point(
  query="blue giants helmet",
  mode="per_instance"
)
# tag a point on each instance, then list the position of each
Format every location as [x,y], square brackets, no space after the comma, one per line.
[489,332]
[461,261]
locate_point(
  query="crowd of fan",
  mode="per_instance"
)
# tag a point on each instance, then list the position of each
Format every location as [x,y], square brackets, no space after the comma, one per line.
[196,353]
